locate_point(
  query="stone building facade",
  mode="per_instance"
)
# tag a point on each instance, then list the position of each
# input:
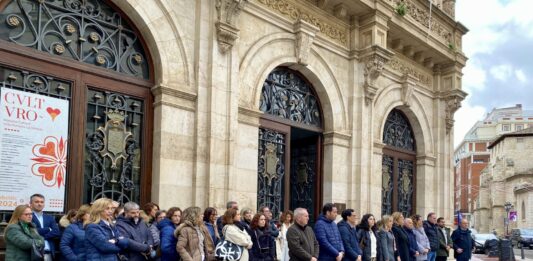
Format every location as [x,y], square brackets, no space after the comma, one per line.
[384,78]
[507,178]
[472,154]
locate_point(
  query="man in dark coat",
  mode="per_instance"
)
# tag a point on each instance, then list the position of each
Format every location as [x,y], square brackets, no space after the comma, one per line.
[413,246]
[349,235]
[301,239]
[46,225]
[132,227]
[328,236]
[463,243]
[445,241]
[431,229]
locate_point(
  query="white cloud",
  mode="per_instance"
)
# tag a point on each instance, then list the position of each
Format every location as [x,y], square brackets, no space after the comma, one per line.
[486,19]
[501,72]
[474,76]
[465,118]
[521,76]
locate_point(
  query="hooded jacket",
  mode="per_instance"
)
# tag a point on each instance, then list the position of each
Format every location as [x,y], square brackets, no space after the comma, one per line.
[349,241]
[72,244]
[188,245]
[168,241]
[329,238]
[139,235]
[462,239]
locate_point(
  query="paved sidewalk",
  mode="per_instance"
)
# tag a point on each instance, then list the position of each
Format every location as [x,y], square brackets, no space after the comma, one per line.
[480,257]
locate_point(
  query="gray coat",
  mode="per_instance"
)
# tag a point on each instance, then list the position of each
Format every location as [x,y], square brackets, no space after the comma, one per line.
[422,242]
[385,245]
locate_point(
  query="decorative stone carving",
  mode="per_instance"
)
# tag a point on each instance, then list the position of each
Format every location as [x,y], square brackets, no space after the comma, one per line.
[228,12]
[449,7]
[421,16]
[453,102]
[340,11]
[402,67]
[408,85]
[305,34]
[286,8]
[374,58]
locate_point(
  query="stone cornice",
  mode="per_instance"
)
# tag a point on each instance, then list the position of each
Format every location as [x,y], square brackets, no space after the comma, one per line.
[249,116]
[426,160]
[403,67]
[163,89]
[337,138]
[289,8]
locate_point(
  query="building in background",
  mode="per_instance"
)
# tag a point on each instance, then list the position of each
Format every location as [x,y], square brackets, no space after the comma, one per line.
[472,154]
[507,178]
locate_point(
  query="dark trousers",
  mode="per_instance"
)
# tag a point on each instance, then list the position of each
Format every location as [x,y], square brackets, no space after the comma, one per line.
[442,258]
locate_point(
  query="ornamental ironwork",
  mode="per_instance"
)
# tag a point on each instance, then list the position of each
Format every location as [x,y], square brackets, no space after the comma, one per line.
[287,95]
[405,187]
[303,177]
[398,132]
[387,167]
[113,147]
[271,170]
[88,31]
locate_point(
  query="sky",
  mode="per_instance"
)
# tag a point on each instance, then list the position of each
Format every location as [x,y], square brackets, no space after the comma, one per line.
[499,47]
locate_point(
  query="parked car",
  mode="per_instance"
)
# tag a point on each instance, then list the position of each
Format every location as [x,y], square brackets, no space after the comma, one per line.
[482,242]
[522,237]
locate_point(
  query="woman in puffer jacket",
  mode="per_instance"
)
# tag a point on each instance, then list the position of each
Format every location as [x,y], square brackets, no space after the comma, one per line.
[103,241]
[194,241]
[72,242]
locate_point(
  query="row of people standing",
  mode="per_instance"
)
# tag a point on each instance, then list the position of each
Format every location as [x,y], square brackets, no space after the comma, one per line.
[100,232]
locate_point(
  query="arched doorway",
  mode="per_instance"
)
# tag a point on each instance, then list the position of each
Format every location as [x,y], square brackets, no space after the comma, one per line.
[88,54]
[290,144]
[398,165]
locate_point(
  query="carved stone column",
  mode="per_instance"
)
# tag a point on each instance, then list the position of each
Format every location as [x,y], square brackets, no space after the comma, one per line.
[453,100]
[374,58]
[228,12]
[305,34]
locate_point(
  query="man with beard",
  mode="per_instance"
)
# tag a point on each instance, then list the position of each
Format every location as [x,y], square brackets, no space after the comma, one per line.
[132,227]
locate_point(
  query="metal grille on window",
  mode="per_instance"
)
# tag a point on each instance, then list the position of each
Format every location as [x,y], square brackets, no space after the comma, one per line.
[113,147]
[88,31]
[405,187]
[387,168]
[303,178]
[271,170]
[286,95]
[397,131]
[27,81]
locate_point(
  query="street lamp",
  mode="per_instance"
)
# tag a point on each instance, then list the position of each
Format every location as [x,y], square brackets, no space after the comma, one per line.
[508,206]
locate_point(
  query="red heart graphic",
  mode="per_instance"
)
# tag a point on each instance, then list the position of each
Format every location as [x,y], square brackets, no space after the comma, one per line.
[53,112]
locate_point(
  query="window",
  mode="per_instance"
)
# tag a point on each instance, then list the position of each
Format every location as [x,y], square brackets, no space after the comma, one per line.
[506,127]
[519,127]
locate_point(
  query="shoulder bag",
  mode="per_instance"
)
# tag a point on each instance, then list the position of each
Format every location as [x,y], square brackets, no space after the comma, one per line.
[37,252]
[226,250]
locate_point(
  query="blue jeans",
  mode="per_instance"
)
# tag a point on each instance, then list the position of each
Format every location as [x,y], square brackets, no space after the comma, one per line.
[432,256]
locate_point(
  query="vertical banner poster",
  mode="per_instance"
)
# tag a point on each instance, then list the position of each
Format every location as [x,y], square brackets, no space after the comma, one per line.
[513,216]
[33,148]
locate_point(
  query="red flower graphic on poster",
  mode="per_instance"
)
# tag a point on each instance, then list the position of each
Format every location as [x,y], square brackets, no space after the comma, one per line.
[50,161]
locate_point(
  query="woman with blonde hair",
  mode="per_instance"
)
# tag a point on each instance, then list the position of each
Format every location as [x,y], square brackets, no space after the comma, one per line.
[72,242]
[400,236]
[20,235]
[103,241]
[235,232]
[194,241]
[386,239]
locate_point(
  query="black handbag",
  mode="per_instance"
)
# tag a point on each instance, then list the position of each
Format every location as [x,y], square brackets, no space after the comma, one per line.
[37,252]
